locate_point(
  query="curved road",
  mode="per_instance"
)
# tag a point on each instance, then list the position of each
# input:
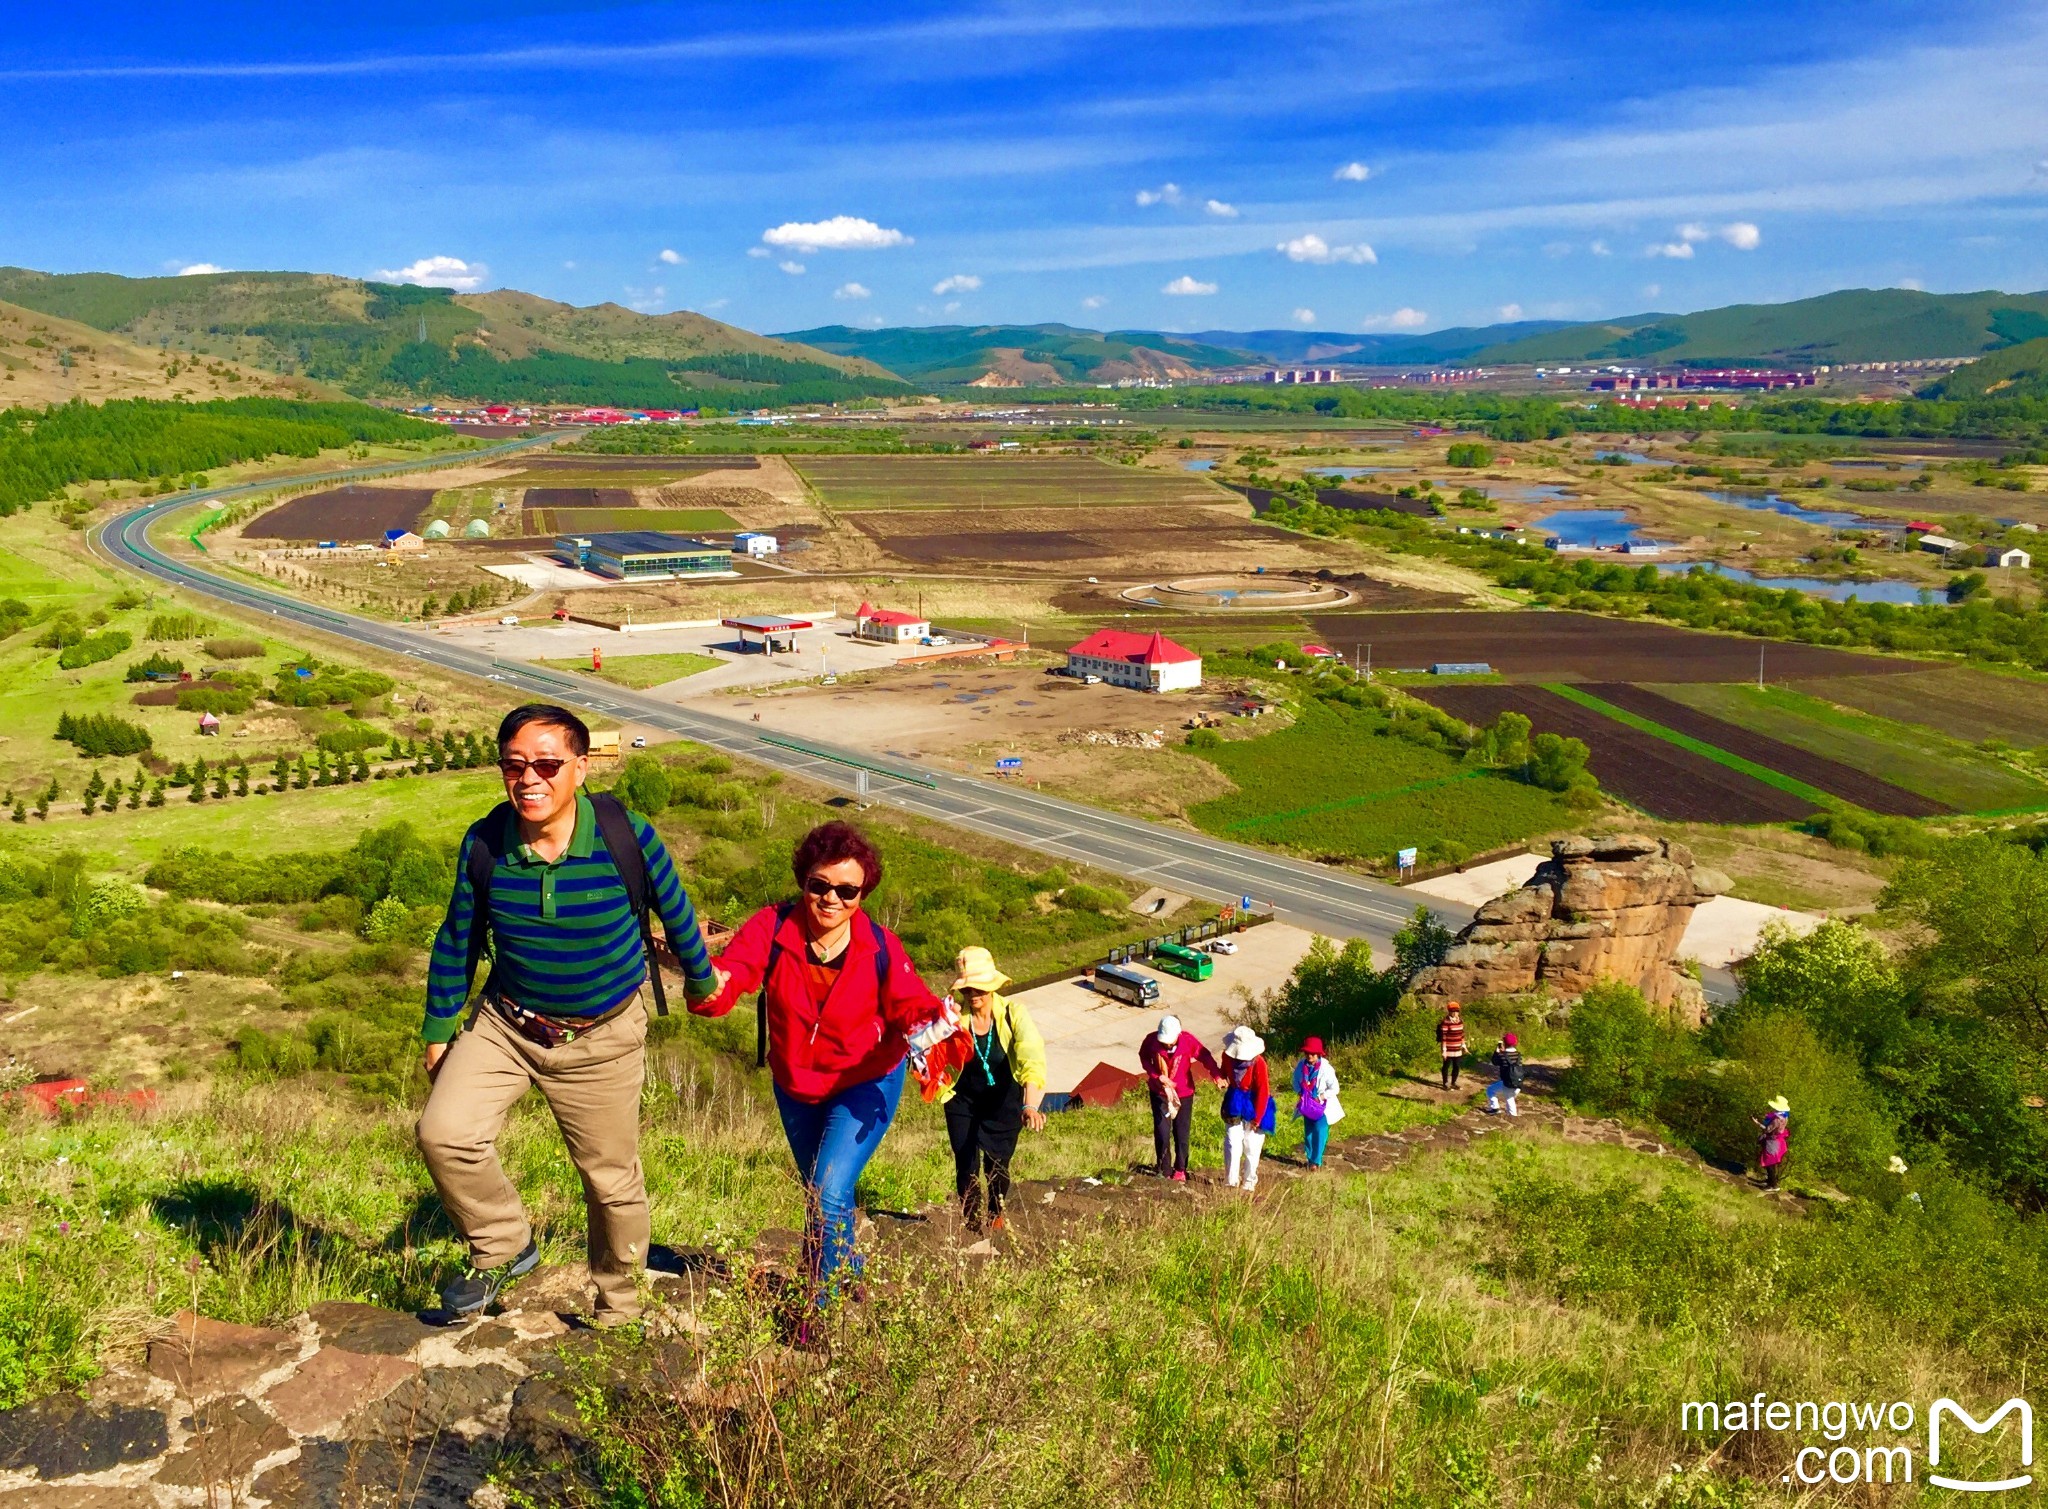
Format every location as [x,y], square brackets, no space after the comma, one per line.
[1328,900]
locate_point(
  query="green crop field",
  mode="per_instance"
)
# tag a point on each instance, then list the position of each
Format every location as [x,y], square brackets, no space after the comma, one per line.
[855,483]
[554,521]
[1334,783]
[640,671]
[1922,760]
[1955,700]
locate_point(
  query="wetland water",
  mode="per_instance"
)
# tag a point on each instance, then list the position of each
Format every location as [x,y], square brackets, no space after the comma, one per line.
[1891,590]
[1778,504]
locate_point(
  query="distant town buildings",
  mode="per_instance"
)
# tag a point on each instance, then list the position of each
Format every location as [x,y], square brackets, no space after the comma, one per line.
[1146,662]
[1299,375]
[1744,379]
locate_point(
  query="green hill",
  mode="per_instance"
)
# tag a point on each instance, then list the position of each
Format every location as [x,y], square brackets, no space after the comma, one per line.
[2018,371]
[999,356]
[395,340]
[1854,325]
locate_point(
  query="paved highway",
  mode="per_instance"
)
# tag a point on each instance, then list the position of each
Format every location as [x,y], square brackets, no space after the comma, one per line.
[1317,896]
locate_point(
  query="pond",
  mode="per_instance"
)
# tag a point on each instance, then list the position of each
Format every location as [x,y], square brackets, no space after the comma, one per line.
[1586,528]
[1198,466]
[1633,458]
[1889,591]
[1348,472]
[1528,492]
[1834,518]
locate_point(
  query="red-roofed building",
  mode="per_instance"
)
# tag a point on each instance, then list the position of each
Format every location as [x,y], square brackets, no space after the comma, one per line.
[890,627]
[1149,662]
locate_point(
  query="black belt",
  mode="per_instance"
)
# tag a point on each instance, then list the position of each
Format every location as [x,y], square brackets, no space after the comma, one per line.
[553,1031]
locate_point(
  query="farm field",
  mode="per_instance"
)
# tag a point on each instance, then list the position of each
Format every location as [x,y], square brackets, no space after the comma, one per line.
[640,671]
[856,483]
[1824,774]
[554,521]
[578,497]
[1640,768]
[343,513]
[1955,700]
[1131,541]
[1553,646]
[1937,766]
[1333,785]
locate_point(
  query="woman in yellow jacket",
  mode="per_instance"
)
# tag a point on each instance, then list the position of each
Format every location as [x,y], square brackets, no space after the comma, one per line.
[993,1089]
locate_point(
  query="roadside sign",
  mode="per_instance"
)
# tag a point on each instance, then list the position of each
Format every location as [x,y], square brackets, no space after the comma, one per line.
[1405,859]
[1010,762]
[1244,903]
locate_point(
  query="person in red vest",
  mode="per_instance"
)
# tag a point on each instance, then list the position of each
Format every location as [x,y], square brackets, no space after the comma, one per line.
[1170,1057]
[1450,1041]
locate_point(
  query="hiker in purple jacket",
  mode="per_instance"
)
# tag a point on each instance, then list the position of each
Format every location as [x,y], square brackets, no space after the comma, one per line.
[1774,1135]
[1169,1057]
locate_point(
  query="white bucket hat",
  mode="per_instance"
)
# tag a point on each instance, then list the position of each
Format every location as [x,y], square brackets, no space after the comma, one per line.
[1243,1043]
[1169,1030]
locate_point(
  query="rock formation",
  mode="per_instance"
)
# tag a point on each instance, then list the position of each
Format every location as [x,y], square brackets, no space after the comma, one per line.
[1611,908]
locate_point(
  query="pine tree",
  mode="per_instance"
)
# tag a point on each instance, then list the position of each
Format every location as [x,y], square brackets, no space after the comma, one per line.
[220,784]
[135,794]
[242,779]
[199,771]
[20,812]
[182,776]
[197,793]
[280,773]
[300,775]
[156,794]
[362,770]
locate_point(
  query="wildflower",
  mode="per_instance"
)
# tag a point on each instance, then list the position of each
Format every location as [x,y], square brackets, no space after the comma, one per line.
[64,1228]
[1897,1164]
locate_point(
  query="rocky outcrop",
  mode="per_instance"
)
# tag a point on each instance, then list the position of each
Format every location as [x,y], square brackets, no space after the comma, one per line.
[1611,908]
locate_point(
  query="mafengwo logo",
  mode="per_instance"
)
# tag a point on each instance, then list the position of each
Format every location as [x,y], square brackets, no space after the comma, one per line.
[1890,1461]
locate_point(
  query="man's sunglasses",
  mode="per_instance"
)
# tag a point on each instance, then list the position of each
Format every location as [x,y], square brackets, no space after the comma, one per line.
[547,770]
[820,887]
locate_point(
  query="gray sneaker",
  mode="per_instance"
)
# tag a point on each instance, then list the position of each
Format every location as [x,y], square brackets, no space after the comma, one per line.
[478,1287]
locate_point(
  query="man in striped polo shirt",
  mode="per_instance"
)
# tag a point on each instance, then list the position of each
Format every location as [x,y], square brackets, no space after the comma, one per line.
[561,1009]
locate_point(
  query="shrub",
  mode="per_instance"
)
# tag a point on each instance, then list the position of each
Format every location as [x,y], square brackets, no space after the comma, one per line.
[1090,898]
[234,649]
[93,650]
[107,902]
[353,739]
[1622,1057]
[99,734]
[1334,994]
[1469,453]
[1204,738]
[389,920]
[643,786]
[215,698]
[158,664]
[174,626]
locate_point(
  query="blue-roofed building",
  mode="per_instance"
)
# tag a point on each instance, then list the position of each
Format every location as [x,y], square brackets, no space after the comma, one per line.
[643,555]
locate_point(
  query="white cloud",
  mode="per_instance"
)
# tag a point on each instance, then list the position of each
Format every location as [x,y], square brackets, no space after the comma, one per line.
[440,272]
[1304,316]
[794,269]
[1511,311]
[1094,301]
[714,303]
[672,257]
[1677,250]
[1742,235]
[1166,193]
[960,282]
[951,306]
[198,269]
[1693,232]
[840,233]
[1400,319]
[1651,290]
[1600,249]
[1911,285]
[568,267]
[647,300]
[1352,172]
[852,291]
[1309,247]
[1557,249]
[759,251]
[1186,287]
[1221,210]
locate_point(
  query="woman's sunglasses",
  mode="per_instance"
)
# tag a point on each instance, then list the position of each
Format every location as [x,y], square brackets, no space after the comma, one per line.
[820,887]
[547,770]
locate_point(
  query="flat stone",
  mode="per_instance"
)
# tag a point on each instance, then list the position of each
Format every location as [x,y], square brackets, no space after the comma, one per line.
[368,1328]
[333,1384]
[491,1336]
[208,1357]
[564,1288]
[229,1437]
[61,1436]
[428,1404]
[60,1496]
[544,1420]
[377,1475]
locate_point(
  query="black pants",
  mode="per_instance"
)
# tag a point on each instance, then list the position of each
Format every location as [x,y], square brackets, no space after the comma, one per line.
[1170,1134]
[984,1130]
[1451,1063]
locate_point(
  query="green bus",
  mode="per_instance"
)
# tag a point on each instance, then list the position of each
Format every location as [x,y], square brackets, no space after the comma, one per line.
[1184,962]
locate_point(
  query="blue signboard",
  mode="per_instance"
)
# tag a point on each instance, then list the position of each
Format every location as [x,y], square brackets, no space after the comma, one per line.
[1010,762]
[1405,858]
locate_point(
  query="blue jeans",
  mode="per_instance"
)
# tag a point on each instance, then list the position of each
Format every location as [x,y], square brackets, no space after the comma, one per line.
[1315,1140]
[832,1142]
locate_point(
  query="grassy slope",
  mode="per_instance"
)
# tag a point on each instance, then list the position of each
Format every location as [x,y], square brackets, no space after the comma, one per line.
[1918,759]
[641,671]
[2015,371]
[1849,325]
[45,360]
[960,353]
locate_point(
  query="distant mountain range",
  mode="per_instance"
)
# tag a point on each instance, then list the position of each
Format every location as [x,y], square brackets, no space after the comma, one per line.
[1856,325]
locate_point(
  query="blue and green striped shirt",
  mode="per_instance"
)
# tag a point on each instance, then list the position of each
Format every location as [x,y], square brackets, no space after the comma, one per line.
[563,932]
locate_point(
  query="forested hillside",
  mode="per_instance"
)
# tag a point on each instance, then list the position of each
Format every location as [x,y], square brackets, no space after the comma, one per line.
[2017,372]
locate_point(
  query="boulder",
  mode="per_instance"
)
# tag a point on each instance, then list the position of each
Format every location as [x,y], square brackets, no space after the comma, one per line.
[1607,907]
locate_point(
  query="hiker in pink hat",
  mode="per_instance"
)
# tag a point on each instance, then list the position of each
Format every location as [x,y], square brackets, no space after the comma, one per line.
[1315,1089]
[1507,1069]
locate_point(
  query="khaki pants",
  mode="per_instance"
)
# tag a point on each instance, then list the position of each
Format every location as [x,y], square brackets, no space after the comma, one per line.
[593,1087]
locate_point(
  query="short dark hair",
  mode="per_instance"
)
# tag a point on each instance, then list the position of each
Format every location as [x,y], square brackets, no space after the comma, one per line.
[547,714]
[828,843]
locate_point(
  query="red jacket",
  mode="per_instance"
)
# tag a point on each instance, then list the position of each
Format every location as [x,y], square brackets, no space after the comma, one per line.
[1175,1066]
[1256,1080]
[816,1049]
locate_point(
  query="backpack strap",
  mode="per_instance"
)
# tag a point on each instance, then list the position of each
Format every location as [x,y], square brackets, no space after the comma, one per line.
[782,915]
[485,850]
[615,827]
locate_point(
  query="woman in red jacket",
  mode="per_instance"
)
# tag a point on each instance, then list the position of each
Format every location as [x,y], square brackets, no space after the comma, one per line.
[842,999]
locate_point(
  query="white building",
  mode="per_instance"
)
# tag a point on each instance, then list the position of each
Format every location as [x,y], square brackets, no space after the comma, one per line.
[1148,662]
[1939,544]
[752,543]
[1996,556]
[888,627]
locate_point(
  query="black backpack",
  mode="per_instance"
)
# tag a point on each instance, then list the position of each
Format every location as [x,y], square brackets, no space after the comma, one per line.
[775,957]
[615,828]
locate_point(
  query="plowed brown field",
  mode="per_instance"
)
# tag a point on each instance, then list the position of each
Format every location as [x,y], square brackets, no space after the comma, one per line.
[1642,769]
[345,513]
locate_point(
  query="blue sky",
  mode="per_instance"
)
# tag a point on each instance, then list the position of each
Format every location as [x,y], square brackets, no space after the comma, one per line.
[1371,165]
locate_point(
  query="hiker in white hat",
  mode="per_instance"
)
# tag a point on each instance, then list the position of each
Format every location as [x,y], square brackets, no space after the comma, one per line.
[1169,1056]
[1247,1106]
[992,1079]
